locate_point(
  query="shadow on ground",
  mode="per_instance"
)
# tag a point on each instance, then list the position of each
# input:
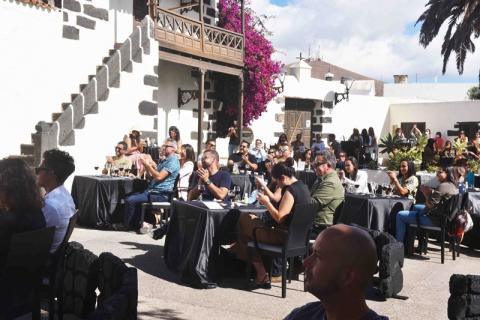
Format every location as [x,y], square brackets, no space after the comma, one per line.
[167,314]
[151,261]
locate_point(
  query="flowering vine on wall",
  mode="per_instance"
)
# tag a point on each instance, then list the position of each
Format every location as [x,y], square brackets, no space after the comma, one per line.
[259,67]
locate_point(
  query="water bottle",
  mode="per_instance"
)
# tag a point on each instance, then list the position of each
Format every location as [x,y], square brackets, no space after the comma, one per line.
[245,198]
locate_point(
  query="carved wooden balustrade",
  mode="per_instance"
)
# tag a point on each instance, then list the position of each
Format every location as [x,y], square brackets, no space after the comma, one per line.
[186,35]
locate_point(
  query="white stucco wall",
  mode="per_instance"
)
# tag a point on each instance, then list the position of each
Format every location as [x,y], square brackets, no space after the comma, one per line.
[359,112]
[439,116]
[264,128]
[40,69]
[116,117]
[429,91]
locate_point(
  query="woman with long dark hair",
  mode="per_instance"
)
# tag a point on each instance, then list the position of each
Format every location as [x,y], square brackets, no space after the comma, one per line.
[405,183]
[187,159]
[20,202]
[174,133]
[293,192]
[355,180]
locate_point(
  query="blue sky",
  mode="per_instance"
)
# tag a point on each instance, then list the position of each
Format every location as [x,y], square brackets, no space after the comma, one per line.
[376,38]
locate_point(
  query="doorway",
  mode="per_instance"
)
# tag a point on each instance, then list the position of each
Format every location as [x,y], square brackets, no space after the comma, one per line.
[298,119]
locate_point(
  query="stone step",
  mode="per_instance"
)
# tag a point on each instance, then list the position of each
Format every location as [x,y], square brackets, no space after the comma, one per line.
[56,115]
[27,149]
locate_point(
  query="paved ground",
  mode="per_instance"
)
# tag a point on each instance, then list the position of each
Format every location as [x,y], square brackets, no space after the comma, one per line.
[161,297]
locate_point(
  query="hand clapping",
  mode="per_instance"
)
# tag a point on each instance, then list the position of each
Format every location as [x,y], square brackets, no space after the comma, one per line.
[203,174]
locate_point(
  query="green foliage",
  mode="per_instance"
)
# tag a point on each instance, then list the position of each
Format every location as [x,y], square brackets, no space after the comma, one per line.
[473,165]
[474,93]
[390,143]
[461,147]
[432,168]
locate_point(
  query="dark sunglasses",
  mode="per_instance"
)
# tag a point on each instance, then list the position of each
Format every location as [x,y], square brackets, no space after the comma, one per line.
[318,163]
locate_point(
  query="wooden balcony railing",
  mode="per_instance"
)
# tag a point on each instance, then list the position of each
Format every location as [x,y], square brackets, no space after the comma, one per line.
[186,35]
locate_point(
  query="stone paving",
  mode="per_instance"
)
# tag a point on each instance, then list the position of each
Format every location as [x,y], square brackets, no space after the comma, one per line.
[162,297]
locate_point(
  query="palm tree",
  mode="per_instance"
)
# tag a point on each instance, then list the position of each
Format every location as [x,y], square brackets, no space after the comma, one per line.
[463,18]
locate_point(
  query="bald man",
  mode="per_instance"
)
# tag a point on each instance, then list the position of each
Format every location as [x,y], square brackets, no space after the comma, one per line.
[338,271]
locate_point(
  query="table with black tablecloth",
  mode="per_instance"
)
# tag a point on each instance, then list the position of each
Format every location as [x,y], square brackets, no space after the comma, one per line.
[194,235]
[307,177]
[99,198]
[376,213]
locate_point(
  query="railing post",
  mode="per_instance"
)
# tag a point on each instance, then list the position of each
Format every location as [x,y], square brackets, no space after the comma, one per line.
[240,105]
[201,93]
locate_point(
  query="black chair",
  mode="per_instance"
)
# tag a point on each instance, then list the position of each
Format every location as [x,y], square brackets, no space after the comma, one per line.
[21,278]
[295,241]
[55,260]
[118,286]
[449,210]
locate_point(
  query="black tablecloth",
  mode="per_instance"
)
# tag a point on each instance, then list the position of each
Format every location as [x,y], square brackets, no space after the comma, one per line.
[244,181]
[194,235]
[377,213]
[307,177]
[99,198]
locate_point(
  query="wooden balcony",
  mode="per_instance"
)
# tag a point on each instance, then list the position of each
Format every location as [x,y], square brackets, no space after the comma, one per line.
[192,37]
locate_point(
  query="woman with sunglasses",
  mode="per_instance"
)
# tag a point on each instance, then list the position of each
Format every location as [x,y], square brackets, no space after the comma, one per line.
[447,188]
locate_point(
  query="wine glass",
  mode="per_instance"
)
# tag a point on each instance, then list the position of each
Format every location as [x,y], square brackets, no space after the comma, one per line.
[96,170]
[201,189]
[115,170]
[121,170]
[127,172]
[236,191]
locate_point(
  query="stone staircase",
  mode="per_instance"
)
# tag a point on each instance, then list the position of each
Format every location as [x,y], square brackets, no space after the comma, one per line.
[60,131]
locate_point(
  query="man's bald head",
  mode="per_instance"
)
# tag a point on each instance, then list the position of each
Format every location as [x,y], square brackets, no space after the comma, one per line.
[344,258]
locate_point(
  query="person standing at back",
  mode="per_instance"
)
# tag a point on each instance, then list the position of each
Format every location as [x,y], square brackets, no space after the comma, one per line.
[55,168]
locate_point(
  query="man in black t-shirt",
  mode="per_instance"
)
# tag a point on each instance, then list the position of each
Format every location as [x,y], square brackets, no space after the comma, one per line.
[343,262]
[215,182]
[243,159]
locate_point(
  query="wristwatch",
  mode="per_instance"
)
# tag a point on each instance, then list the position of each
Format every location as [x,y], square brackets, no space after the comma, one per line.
[208,182]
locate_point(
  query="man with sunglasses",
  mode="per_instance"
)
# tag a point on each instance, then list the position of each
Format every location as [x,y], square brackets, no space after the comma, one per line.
[55,168]
[159,190]
[120,159]
[243,158]
[327,191]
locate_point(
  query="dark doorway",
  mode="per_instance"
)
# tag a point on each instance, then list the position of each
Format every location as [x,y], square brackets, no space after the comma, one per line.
[298,119]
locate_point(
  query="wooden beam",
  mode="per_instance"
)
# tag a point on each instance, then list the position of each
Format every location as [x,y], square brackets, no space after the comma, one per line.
[184,6]
[201,91]
[240,105]
[175,58]
[243,18]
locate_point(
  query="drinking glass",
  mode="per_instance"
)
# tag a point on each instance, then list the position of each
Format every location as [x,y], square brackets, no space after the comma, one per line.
[201,189]
[121,170]
[374,187]
[236,191]
[115,170]
[127,172]
[96,170]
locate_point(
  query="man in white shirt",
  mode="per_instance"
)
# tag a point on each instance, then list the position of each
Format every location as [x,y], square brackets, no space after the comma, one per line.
[55,168]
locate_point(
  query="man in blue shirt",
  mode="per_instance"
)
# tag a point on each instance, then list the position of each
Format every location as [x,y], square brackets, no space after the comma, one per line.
[160,188]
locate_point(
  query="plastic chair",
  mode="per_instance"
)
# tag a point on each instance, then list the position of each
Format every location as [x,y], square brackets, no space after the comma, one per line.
[295,241]
[21,278]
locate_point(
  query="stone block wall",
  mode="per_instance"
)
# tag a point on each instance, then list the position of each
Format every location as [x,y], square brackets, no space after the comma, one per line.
[78,16]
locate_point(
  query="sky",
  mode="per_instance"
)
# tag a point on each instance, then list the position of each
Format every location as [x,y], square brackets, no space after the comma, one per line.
[376,38]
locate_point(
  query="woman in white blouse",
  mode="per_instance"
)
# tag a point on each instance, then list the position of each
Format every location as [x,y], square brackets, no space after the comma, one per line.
[187,157]
[355,180]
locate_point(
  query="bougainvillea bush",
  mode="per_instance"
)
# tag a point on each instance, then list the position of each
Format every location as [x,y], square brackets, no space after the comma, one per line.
[259,67]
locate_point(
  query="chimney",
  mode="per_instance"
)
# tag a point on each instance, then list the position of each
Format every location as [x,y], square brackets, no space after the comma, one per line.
[400,78]
[329,76]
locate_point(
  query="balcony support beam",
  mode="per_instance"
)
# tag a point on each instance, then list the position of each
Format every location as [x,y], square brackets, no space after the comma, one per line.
[201,98]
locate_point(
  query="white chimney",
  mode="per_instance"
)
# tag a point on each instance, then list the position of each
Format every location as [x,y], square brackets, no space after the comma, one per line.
[301,70]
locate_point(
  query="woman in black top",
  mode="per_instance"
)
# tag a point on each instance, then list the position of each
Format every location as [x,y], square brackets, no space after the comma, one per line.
[20,202]
[293,192]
